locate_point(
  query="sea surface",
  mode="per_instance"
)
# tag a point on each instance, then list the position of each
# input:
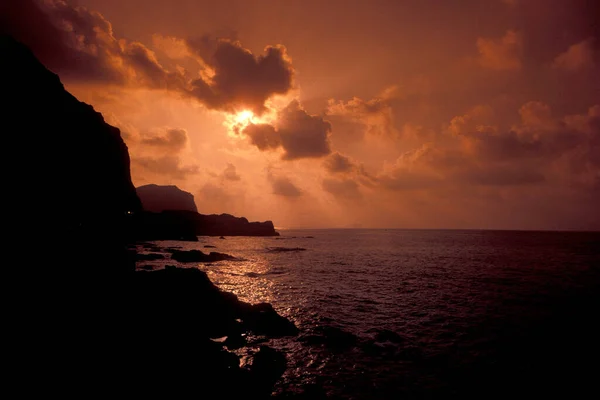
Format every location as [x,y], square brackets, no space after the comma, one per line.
[421,313]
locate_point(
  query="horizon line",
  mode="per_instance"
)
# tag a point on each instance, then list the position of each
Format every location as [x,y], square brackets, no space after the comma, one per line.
[444,229]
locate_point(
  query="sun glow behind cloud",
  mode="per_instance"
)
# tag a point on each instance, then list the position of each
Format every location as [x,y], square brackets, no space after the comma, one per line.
[238,121]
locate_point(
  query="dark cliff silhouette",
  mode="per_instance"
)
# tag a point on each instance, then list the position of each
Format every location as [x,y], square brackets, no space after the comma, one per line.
[81,319]
[72,168]
[157,198]
[187,225]
[170,214]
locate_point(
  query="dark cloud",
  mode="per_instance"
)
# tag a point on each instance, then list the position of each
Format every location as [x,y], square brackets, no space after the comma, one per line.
[300,134]
[240,79]
[166,165]
[539,136]
[71,41]
[337,163]
[506,175]
[540,150]
[282,186]
[79,44]
[303,135]
[342,188]
[230,173]
[263,136]
[172,139]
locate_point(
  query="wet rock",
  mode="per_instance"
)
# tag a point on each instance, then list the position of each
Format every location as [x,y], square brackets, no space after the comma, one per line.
[149,256]
[262,319]
[267,367]
[284,249]
[198,256]
[386,335]
[331,337]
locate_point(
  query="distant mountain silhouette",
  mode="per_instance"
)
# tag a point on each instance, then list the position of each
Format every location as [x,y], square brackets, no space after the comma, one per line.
[170,214]
[157,198]
[187,225]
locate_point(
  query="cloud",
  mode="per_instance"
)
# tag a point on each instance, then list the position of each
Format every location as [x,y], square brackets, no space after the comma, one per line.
[230,173]
[172,139]
[342,188]
[338,163]
[303,135]
[173,47]
[165,165]
[215,194]
[375,114]
[300,134]
[80,46]
[475,120]
[283,186]
[505,175]
[540,150]
[239,79]
[578,56]
[535,113]
[263,136]
[501,54]
[413,170]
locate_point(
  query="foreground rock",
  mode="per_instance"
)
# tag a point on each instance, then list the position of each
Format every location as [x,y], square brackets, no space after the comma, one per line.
[179,311]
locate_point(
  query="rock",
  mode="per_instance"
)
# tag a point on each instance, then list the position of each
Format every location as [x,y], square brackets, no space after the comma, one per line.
[81,166]
[198,256]
[157,198]
[284,249]
[149,256]
[331,337]
[262,319]
[267,366]
[208,246]
[175,224]
[386,335]
[151,328]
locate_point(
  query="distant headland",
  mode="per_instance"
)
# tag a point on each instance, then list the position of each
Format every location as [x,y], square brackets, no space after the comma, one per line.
[170,213]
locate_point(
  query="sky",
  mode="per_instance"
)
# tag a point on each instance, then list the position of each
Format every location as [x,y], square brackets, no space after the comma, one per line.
[475,114]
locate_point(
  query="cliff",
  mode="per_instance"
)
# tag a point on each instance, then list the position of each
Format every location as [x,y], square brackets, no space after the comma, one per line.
[157,198]
[170,214]
[186,225]
[81,318]
[70,168]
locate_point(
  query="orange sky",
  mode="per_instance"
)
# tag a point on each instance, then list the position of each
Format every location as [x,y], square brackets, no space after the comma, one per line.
[398,113]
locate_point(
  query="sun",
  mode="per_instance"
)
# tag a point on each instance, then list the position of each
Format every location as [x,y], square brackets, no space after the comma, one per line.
[244,118]
[236,122]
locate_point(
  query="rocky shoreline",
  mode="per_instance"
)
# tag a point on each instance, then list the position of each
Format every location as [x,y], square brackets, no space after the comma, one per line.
[186,327]
[89,323]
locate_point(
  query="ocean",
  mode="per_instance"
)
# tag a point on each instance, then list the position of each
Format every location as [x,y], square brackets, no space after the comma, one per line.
[392,313]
